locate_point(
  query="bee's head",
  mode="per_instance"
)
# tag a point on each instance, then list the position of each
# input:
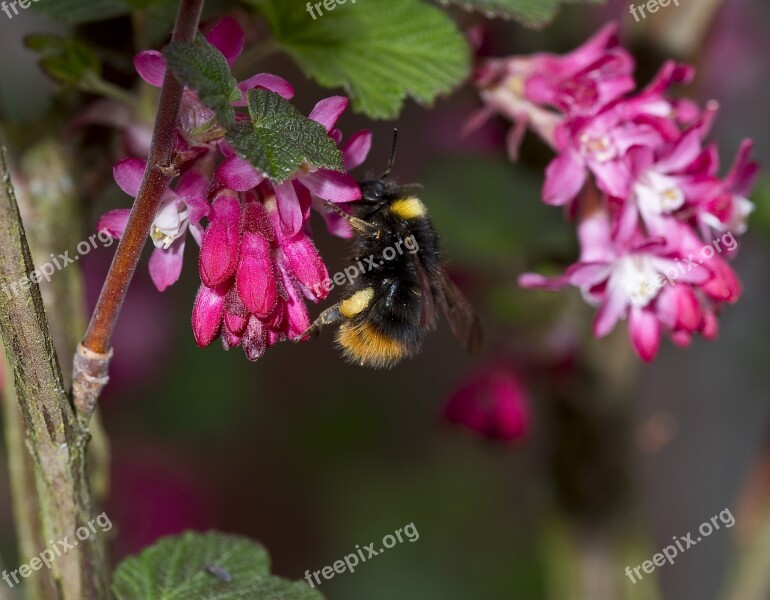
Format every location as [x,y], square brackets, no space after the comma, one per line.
[373,190]
[376,190]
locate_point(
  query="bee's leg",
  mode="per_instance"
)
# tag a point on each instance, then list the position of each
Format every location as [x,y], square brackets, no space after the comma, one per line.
[331,316]
[357,224]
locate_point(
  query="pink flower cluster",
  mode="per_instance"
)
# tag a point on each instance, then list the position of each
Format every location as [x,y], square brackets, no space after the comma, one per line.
[257,262]
[636,171]
[492,403]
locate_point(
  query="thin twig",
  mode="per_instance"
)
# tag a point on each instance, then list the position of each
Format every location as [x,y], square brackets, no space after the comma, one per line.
[93,354]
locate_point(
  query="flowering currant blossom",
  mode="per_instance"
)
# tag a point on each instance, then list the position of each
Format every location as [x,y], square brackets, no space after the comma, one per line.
[257,262]
[523,88]
[636,172]
[241,176]
[252,272]
[179,211]
[492,403]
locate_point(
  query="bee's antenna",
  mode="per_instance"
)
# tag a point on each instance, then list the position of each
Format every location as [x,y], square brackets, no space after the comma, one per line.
[392,155]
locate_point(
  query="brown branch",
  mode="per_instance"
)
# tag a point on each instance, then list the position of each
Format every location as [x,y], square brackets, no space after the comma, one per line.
[52,435]
[93,355]
[26,504]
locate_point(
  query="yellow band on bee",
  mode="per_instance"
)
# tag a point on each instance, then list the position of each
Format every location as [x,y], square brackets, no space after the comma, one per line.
[408,208]
[364,345]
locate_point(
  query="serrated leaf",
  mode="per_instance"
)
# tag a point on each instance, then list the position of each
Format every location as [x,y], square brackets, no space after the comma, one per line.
[532,13]
[204,566]
[201,67]
[379,51]
[279,139]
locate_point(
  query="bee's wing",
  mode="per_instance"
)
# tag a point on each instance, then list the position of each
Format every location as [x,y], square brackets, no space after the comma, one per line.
[463,320]
[427,306]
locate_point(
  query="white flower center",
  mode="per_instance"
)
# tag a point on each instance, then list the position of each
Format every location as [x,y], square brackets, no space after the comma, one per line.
[599,146]
[170,224]
[739,218]
[638,277]
[657,193]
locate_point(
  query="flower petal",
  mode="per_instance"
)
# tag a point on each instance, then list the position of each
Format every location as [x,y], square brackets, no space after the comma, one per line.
[332,186]
[151,67]
[239,174]
[114,222]
[198,208]
[192,183]
[564,178]
[683,153]
[644,329]
[303,262]
[723,286]
[267,81]
[289,209]
[227,37]
[256,278]
[356,149]
[219,247]
[297,319]
[327,111]
[537,281]
[166,265]
[614,308]
[128,174]
[334,222]
[207,314]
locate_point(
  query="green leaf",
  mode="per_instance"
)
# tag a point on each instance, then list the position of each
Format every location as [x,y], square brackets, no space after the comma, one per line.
[201,67]
[761,198]
[279,139]
[380,51]
[532,13]
[204,566]
[65,60]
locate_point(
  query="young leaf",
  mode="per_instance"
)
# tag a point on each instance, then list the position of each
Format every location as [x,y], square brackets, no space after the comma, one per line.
[380,51]
[279,138]
[201,67]
[532,13]
[66,60]
[204,566]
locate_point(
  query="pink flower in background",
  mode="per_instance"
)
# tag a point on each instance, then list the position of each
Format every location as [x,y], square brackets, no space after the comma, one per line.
[180,210]
[492,403]
[724,205]
[646,191]
[584,80]
[524,88]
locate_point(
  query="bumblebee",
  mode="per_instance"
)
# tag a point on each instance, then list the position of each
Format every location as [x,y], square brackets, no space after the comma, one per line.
[389,309]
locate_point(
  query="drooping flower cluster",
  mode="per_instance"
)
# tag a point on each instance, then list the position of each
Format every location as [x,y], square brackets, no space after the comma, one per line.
[493,403]
[656,223]
[257,262]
